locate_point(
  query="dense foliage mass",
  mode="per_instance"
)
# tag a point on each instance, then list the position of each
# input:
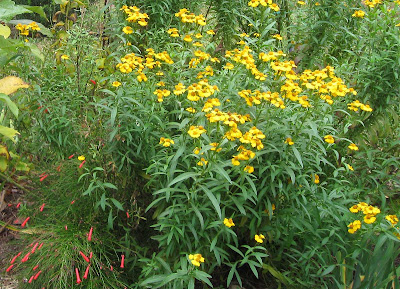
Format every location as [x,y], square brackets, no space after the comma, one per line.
[182,144]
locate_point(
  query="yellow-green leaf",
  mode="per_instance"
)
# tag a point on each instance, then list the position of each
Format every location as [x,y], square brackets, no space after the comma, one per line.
[8,132]
[3,164]
[11,84]
[5,31]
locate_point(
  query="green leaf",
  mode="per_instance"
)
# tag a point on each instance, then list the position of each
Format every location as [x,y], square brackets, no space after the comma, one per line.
[213,200]
[203,276]
[21,166]
[8,132]
[117,204]
[328,270]
[11,105]
[35,50]
[8,10]
[5,31]
[183,177]
[110,220]
[297,155]
[36,9]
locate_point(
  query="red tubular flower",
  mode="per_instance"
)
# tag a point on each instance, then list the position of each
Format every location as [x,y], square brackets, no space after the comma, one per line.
[26,257]
[92,81]
[78,278]
[42,174]
[34,268]
[127,214]
[71,156]
[90,234]
[24,222]
[111,268]
[9,268]
[86,272]
[42,207]
[15,257]
[31,279]
[42,178]
[72,202]
[82,163]
[34,247]
[18,205]
[90,255]
[59,168]
[37,275]
[40,246]
[122,261]
[66,227]
[84,256]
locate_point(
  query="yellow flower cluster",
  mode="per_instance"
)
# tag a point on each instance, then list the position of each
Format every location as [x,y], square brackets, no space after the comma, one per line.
[369,212]
[253,137]
[179,89]
[356,105]
[249,169]
[265,3]
[284,66]
[200,90]
[187,17]
[229,222]
[244,155]
[255,97]
[166,141]
[259,238]
[358,14]
[210,103]
[202,162]
[354,226]
[151,60]
[161,93]
[228,118]
[134,15]
[372,3]
[196,131]
[24,28]
[270,55]
[246,58]
[392,219]
[208,71]
[173,32]
[196,259]
[215,147]
[353,147]
[289,141]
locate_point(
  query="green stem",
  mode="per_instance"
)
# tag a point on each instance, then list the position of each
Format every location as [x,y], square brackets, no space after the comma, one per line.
[7,179]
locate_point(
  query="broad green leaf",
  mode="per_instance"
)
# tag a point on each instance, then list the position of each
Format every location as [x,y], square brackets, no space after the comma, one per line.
[11,105]
[36,9]
[8,132]
[117,204]
[183,177]
[8,10]
[35,50]
[61,2]
[213,200]
[11,84]
[5,31]
[21,166]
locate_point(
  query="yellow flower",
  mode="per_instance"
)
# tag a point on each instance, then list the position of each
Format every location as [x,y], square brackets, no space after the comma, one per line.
[229,66]
[191,110]
[196,259]
[369,219]
[353,227]
[317,4]
[202,162]
[214,147]
[392,219]
[64,57]
[81,158]
[116,83]
[397,25]
[161,83]
[329,139]
[197,44]
[289,141]
[127,30]
[353,147]
[316,179]
[196,131]
[166,141]
[249,169]
[350,167]
[259,238]
[359,14]
[354,209]
[277,36]
[196,150]
[187,38]
[210,32]
[301,2]
[229,222]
